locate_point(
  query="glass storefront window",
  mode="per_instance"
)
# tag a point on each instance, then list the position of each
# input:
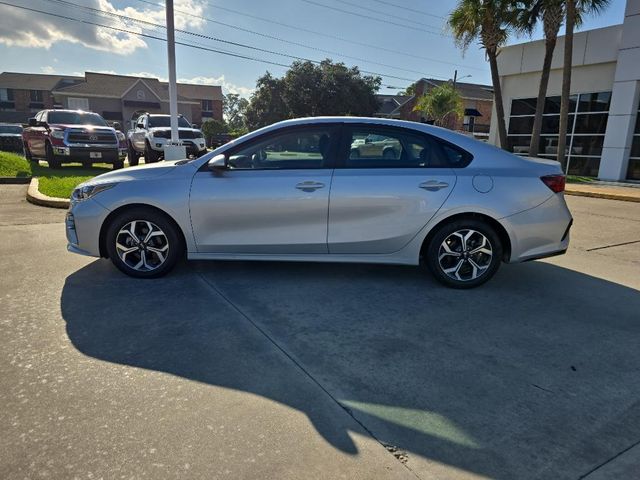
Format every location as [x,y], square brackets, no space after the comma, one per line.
[587,123]
[633,171]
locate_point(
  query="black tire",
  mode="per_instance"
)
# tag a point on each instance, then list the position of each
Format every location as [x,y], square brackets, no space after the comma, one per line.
[463,277]
[150,155]
[132,155]
[118,164]
[27,154]
[389,153]
[52,160]
[87,164]
[141,215]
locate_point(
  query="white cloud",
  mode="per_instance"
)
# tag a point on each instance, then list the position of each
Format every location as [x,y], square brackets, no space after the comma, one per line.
[24,28]
[48,69]
[228,87]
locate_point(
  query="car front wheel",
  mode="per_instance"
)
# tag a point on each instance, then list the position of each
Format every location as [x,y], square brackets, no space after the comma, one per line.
[52,160]
[150,155]
[464,253]
[143,243]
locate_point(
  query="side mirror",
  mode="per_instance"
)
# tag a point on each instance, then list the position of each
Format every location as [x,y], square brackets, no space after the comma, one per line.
[218,163]
[117,125]
[195,125]
[33,122]
[140,125]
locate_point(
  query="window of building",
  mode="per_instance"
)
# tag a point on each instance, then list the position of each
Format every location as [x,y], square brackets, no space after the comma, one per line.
[588,115]
[36,96]
[207,105]
[633,171]
[6,95]
[75,103]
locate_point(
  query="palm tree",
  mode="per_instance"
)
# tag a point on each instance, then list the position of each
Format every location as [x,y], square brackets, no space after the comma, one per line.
[575,10]
[551,12]
[489,22]
[443,104]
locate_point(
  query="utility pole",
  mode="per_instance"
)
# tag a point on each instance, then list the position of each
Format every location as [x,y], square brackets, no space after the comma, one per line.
[173,149]
[455,79]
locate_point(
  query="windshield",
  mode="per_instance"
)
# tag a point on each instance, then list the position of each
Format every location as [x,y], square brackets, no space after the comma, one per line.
[10,129]
[76,118]
[165,121]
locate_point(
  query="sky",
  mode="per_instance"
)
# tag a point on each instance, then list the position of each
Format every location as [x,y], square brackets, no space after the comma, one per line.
[400,40]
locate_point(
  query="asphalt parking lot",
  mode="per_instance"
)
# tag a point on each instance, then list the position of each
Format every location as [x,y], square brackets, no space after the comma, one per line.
[273,370]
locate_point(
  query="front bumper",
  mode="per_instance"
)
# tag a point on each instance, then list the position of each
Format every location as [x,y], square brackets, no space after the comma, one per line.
[82,224]
[89,154]
[195,146]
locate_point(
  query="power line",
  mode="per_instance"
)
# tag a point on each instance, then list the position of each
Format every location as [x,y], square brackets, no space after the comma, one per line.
[314,32]
[200,35]
[190,45]
[386,14]
[361,15]
[403,7]
[290,42]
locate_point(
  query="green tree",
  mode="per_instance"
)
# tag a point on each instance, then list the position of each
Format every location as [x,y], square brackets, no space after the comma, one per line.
[308,89]
[489,22]
[443,104]
[213,127]
[233,108]
[551,13]
[575,10]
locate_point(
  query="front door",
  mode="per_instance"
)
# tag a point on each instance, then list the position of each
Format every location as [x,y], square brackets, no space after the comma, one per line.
[382,197]
[272,199]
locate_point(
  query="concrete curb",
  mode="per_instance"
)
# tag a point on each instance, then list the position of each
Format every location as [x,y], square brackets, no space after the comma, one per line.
[606,195]
[14,180]
[37,198]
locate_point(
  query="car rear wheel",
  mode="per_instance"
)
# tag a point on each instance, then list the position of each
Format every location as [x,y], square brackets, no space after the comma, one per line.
[51,158]
[464,253]
[144,243]
[132,155]
[118,164]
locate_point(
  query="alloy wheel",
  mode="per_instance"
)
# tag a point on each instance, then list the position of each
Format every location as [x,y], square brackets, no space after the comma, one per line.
[465,255]
[142,245]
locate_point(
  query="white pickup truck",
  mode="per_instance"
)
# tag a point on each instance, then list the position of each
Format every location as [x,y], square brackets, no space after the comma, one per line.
[151,133]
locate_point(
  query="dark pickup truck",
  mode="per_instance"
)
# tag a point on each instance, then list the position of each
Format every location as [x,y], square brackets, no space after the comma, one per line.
[69,136]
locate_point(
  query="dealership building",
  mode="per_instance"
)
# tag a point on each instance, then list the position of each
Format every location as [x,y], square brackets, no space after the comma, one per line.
[604,126]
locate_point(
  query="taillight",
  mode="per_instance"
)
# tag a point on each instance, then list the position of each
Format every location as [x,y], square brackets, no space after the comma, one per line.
[554,182]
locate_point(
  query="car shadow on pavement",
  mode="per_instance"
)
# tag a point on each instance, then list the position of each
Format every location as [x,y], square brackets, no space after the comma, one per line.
[533,375]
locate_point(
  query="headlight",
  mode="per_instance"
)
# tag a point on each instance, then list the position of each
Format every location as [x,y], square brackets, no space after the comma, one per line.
[88,191]
[57,134]
[120,136]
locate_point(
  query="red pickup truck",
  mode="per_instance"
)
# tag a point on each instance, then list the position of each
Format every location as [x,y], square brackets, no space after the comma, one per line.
[66,136]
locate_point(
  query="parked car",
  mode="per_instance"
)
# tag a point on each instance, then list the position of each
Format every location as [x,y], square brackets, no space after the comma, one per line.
[11,137]
[292,191]
[66,136]
[151,133]
[378,145]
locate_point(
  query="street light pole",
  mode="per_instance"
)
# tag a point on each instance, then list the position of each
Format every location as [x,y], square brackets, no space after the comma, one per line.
[173,150]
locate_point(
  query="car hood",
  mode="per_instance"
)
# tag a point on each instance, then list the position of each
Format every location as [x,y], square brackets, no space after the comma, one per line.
[168,129]
[83,127]
[141,172]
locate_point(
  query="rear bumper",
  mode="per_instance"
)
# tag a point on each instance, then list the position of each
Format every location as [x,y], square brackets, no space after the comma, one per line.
[540,232]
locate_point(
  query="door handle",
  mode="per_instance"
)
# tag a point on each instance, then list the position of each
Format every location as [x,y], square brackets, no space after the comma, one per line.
[433,185]
[309,186]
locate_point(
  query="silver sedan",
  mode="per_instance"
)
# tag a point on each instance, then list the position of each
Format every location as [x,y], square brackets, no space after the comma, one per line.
[321,190]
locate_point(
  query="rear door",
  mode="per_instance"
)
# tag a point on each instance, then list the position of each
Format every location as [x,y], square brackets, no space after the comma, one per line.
[381,198]
[139,134]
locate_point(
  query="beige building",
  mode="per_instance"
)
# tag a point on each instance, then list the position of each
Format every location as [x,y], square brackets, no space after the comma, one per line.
[118,98]
[604,133]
